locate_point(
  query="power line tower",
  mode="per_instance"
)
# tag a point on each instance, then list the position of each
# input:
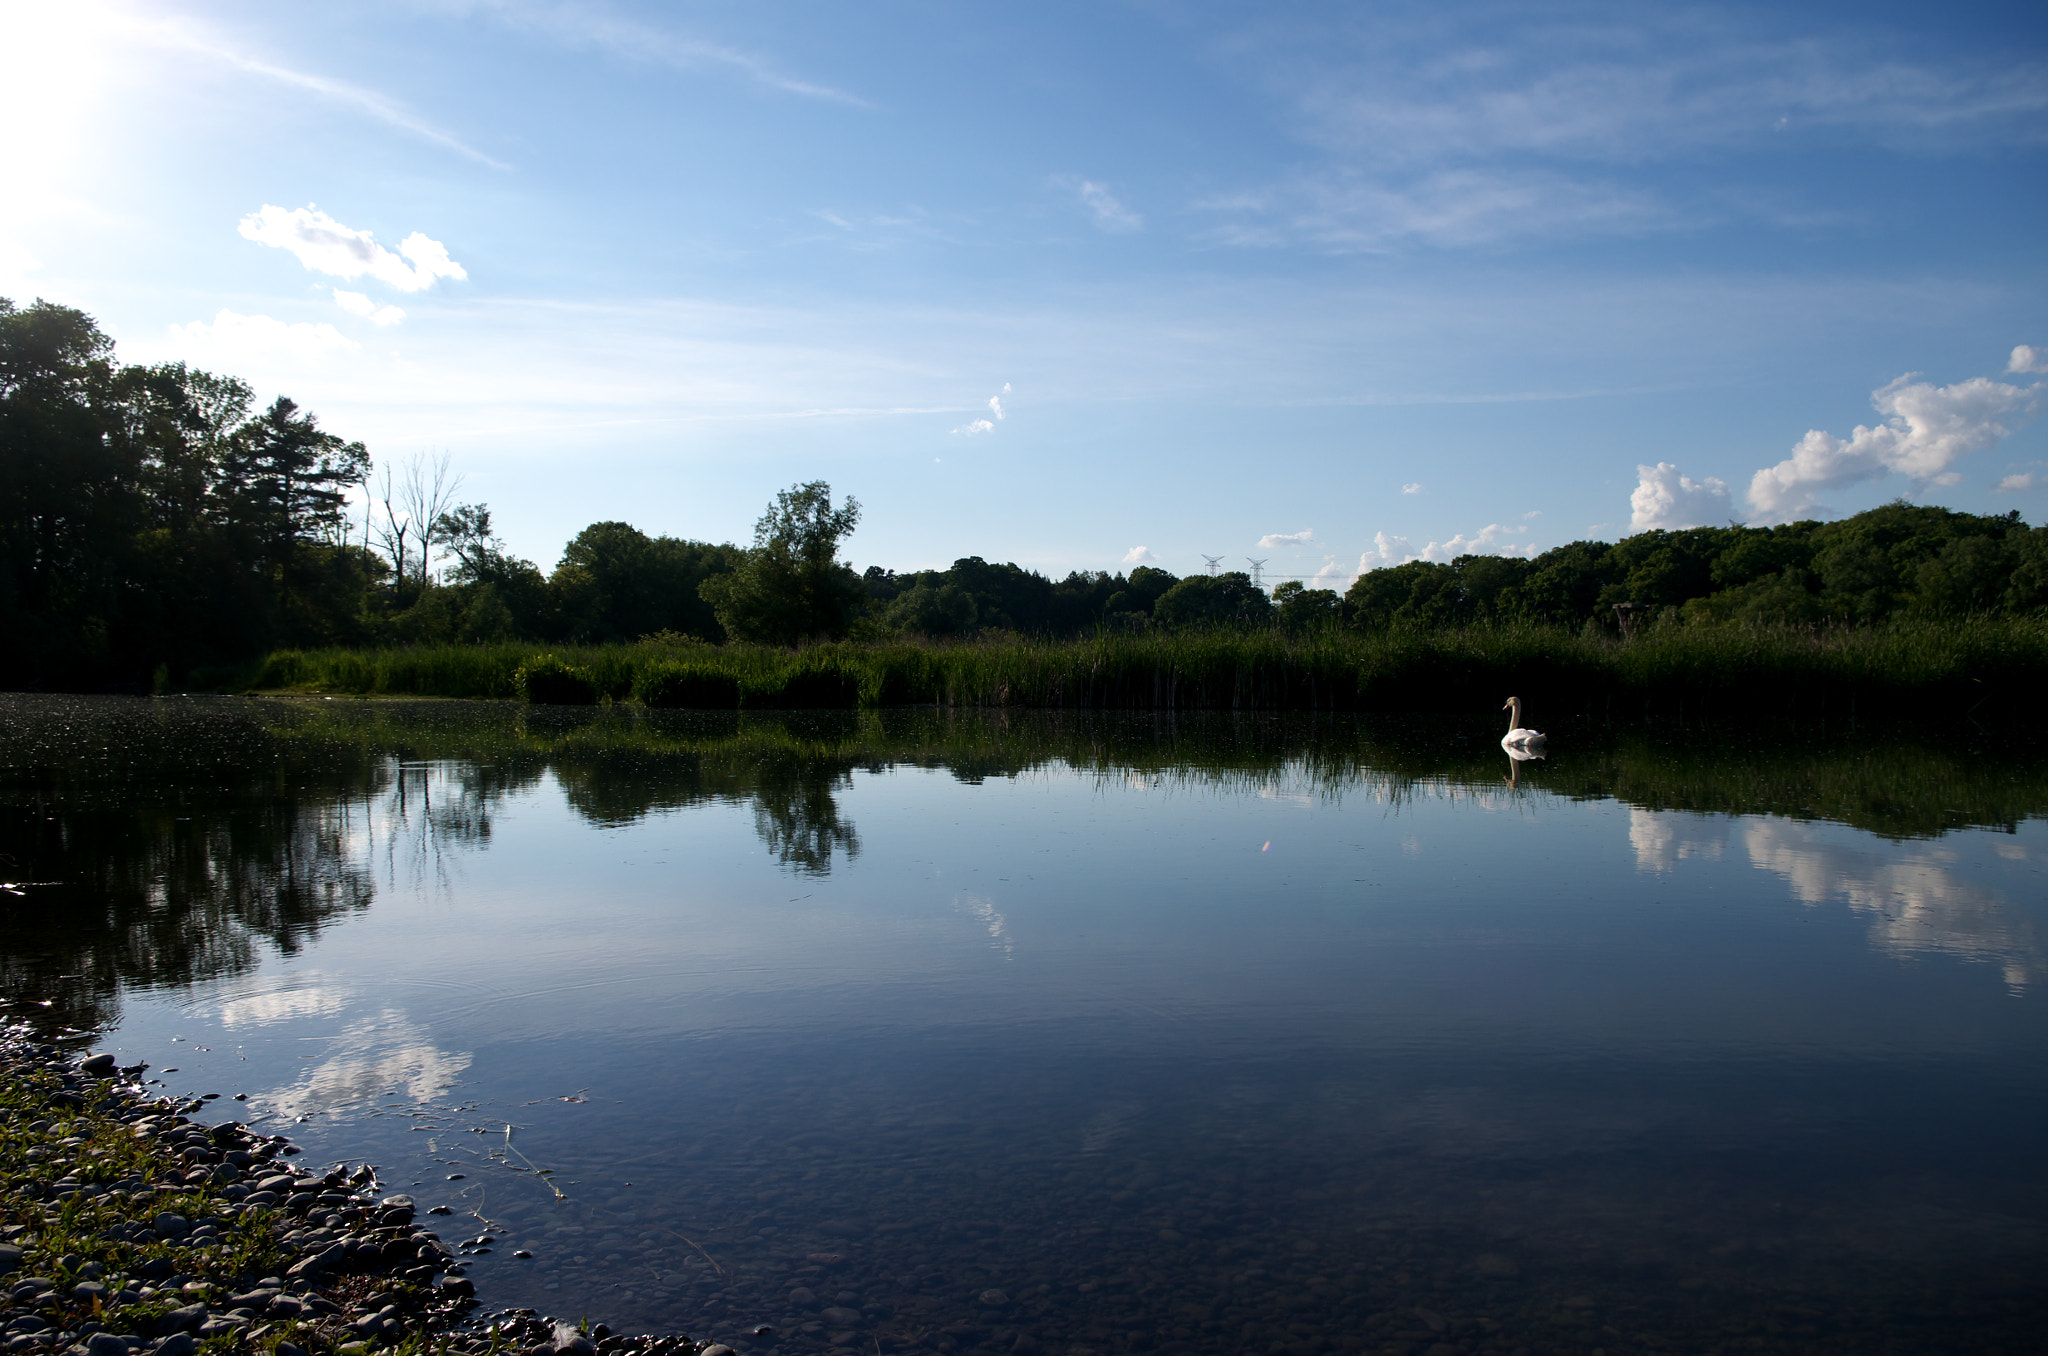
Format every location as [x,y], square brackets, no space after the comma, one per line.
[1214,561]
[1256,565]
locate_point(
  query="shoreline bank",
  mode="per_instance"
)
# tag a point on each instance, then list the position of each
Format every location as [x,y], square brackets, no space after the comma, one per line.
[128,1227]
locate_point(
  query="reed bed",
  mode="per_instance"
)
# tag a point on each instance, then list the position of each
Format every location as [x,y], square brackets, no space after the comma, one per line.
[1932,668]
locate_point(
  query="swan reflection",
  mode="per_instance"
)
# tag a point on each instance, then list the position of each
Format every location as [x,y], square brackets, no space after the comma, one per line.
[1517,756]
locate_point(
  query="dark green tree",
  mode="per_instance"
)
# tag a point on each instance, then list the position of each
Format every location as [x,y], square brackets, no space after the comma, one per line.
[1302,609]
[1229,599]
[791,587]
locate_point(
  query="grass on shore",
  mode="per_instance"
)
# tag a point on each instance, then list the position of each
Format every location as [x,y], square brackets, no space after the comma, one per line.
[1938,667]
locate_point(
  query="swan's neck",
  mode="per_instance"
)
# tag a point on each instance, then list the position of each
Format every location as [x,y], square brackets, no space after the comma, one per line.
[1515,714]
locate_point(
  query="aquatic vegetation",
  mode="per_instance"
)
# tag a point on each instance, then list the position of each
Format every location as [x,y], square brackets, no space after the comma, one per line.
[1931,668]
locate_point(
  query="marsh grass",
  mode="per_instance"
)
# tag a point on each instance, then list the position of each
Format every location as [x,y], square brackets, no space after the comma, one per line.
[1939,668]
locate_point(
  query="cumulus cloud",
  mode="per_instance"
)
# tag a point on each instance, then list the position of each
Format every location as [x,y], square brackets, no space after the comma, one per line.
[1332,576]
[1492,540]
[1273,539]
[355,303]
[1140,555]
[326,246]
[978,427]
[2027,358]
[1925,430]
[1412,487]
[233,336]
[1666,499]
[2018,483]
[1110,214]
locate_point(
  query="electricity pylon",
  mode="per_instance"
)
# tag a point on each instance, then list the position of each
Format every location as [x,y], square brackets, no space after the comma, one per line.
[1256,565]
[1214,561]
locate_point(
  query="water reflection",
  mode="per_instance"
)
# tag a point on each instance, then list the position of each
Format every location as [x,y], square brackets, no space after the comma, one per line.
[1918,902]
[1186,1034]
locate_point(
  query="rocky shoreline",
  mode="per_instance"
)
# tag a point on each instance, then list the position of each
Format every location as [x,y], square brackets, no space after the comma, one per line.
[128,1227]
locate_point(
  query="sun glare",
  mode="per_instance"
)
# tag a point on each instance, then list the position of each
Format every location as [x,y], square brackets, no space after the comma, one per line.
[51,81]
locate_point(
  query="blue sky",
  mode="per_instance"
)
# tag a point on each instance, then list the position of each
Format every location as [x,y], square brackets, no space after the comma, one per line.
[1330,285]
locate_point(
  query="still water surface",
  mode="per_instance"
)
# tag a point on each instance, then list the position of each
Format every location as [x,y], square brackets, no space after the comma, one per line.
[949,1032]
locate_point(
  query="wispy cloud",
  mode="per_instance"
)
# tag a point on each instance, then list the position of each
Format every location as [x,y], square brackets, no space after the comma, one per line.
[1439,129]
[1108,211]
[1140,555]
[976,427]
[1279,539]
[603,28]
[1346,212]
[1666,499]
[1412,487]
[1569,86]
[181,35]
[326,246]
[2019,482]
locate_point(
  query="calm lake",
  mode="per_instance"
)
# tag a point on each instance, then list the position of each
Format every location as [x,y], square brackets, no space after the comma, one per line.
[952,1031]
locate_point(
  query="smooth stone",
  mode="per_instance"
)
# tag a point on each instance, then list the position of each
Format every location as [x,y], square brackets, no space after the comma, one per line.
[993,1298]
[177,1344]
[840,1317]
[802,1295]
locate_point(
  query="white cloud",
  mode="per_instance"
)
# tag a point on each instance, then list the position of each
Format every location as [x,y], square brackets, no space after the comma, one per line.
[995,404]
[355,303]
[1110,214]
[976,428]
[1925,430]
[1532,514]
[1140,555]
[2018,483]
[2027,358]
[1273,539]
[1666,499]
[233,337]
[1332,576]
[1412,487]
[326,246]
[1489,540]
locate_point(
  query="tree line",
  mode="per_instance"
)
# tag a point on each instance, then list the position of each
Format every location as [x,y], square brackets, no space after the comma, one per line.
[155,522]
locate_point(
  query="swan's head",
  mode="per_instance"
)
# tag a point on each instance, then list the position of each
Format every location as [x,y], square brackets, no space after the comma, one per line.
[1511,703]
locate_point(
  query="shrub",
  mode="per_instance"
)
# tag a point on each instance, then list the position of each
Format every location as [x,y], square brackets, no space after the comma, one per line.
[682,685]
[551,682]
[820,687]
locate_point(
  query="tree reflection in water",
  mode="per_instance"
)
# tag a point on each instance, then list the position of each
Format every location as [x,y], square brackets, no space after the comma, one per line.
[159,843]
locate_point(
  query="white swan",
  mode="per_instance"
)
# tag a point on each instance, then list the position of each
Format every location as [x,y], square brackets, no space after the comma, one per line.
[1517,737]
